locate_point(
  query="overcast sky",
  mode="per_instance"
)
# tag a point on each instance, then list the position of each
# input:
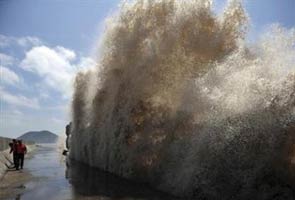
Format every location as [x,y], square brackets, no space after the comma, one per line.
[43,43]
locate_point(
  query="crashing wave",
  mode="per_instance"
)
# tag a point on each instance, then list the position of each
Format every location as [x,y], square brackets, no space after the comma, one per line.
[178,99]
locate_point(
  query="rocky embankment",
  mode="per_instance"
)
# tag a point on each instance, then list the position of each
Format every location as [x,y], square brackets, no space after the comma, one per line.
[5,157]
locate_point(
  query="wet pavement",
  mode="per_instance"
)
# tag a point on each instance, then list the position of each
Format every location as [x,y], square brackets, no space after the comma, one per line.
[54,181]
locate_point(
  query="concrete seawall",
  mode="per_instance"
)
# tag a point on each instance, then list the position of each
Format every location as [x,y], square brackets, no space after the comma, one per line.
[5,157]
[4,143]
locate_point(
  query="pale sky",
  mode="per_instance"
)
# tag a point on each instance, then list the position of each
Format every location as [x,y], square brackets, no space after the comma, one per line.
[43,43]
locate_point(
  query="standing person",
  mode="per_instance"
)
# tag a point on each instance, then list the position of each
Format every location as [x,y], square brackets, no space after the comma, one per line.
[21,151]
[68,133]
[13,149]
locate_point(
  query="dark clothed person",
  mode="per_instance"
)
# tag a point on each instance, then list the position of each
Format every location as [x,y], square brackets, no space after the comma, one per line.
[13,149]
[68,133]
[21,151]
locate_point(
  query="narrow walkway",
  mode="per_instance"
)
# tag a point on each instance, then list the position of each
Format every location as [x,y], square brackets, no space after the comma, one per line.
[13,183]
[46,177]
[39,178]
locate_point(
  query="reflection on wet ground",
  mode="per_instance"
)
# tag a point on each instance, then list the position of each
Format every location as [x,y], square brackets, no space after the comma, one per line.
[78,182]
[94,182]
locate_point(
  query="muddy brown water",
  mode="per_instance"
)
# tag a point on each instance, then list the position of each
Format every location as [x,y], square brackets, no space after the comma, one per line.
[54,180]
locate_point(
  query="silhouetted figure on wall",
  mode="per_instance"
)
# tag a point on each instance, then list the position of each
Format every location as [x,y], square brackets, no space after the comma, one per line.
[68,133]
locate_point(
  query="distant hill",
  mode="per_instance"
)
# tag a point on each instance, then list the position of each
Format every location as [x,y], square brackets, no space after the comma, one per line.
[39,137]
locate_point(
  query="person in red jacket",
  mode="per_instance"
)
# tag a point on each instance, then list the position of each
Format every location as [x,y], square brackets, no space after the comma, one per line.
[21,151]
